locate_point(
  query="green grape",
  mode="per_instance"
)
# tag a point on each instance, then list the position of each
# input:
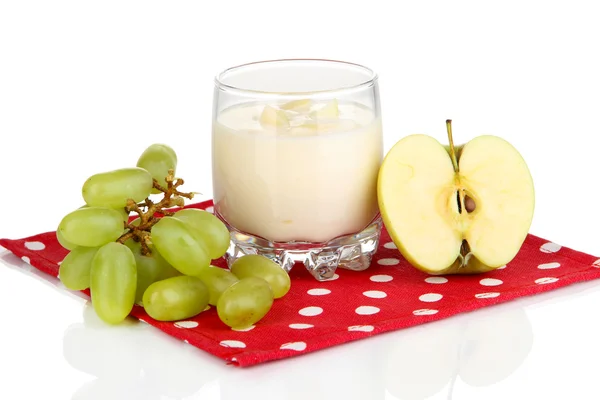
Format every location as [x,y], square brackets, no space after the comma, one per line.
[245,303]
[176,298]
[134,246]
[124,213]
[64,242]
[74,271]
[150,268]
[208,229]
[175,242]
[113,278]
[262,267]
[122,210]
[217,280]
[91,226]
[158,159]
[113,189]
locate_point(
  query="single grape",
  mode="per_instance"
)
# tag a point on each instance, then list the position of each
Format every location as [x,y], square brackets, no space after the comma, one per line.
[150,268]
[217,280]
[175,242]
[207,228]
[113,278]
[64,242]
[74,271]
[113,189]
[245,303]
[158,159]
[175,298]
[122,210]
[91,226]
[262,267]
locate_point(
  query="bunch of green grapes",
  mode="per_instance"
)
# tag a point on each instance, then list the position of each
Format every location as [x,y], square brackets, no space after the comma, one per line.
[160,263]
[242,295]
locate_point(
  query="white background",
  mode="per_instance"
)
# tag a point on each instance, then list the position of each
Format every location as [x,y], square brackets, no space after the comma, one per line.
[86,86]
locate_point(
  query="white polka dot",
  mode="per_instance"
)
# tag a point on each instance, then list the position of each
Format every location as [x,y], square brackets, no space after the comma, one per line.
[310,311]
[381,278]
[186,324]
[388,261]
[430,297]
[210,209]
[390,245]
[545,280]
[488,295]
[490,282]
[244,329]
[26,259]
[235,344]
[318,292]
[425,311]
[596,263]
[551,265]
[375,294]
[361,328]
[297,346]
[502,267]
[436,279]
[550,247]
[301,326]
[366,310]
[233,359]
[35,245]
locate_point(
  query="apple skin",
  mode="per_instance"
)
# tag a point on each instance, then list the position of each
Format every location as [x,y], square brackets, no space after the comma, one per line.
[473,266]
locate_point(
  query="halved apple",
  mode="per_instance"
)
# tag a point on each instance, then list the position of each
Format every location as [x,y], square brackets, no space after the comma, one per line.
[456,210]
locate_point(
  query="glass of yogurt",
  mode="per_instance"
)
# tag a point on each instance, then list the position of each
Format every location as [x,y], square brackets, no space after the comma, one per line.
[296,149]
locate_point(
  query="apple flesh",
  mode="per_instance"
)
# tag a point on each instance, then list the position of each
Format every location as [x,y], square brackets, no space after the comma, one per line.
[456,210]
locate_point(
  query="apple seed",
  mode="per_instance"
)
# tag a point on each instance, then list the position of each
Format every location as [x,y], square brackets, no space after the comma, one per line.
[469,204]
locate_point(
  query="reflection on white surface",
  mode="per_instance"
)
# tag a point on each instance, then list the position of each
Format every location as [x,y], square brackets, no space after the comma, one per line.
[465,356]
[136,361]
[481,349]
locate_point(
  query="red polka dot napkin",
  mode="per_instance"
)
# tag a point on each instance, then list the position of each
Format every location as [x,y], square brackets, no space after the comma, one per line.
[389,295]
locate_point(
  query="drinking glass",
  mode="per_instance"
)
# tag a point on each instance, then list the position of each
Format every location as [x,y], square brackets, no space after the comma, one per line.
[296,149]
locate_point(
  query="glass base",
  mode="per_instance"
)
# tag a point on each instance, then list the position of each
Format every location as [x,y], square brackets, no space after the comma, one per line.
[353,252]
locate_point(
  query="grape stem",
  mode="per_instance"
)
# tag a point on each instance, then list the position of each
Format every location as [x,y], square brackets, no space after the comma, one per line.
[149,212]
